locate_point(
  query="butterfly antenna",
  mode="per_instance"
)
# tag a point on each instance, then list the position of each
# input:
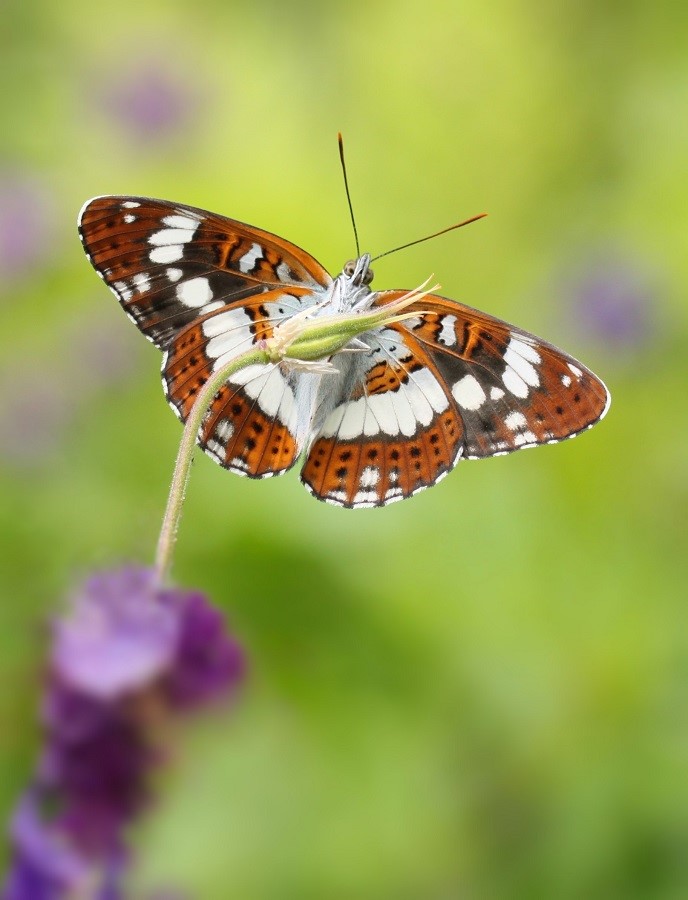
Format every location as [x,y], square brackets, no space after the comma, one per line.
[436,234]
[346,186]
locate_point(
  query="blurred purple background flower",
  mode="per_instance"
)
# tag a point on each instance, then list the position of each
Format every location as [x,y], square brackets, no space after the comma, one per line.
[34,409]
[38,405]
[127,656]
[615,300]
[150,101]
[103,349]
[26,224]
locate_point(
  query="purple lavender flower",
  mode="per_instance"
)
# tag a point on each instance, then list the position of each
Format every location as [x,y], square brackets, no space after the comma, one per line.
[127,655]
[206,659]
[150,102]
[120,633]
[26,224]
[95,763]
[47,867]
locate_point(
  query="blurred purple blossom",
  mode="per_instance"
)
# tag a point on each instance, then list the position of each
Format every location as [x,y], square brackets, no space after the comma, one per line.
[37,405]
[205,659]
[95,763]
[26,224]
[127,656]
[47,867]
[150,101]
[120,633]
[615,300]
[104,346]
[34,408]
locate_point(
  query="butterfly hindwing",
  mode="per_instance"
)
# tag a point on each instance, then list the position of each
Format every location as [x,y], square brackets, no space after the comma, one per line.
[512,389]
[169,263]
[392,432]
[252,426]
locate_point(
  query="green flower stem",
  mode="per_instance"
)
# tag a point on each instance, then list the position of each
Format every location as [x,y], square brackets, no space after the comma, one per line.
[302,340]
[182,467]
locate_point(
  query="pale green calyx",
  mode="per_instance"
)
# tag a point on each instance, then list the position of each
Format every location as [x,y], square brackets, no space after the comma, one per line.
[308,337]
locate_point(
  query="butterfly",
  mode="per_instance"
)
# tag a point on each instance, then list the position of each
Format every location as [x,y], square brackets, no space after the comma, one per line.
[403,407]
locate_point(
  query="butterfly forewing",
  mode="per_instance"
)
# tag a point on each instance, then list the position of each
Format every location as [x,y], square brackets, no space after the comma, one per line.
[169,263]
[512,389]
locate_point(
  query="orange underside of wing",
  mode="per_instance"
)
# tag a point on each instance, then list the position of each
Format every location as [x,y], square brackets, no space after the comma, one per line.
[378,471]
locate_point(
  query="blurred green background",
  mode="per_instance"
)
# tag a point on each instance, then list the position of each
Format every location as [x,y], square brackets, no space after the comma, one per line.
[480,692]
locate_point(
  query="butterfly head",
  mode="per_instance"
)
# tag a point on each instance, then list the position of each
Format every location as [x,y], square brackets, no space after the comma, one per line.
[359,271]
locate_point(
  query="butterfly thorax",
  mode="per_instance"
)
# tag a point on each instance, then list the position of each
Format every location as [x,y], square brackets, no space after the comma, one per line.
[358,270]
[350,290]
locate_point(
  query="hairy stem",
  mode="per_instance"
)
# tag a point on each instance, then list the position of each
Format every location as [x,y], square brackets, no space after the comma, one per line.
[299,341]
[182,467]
